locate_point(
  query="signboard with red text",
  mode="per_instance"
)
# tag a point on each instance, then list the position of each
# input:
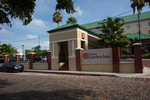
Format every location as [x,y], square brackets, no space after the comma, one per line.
[97,55]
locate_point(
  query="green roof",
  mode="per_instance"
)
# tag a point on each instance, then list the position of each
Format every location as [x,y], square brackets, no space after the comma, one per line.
[127,19]
[87,27]
[136,35]
[71,25]
[133,18]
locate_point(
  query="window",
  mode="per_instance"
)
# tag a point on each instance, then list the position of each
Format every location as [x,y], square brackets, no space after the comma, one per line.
[127,27]
[140,32]
[137,25]
[147,47]
[96,31]
[149,32]
[148,23]
[102,32]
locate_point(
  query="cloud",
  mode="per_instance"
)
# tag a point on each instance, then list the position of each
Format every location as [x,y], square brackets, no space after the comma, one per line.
[5,32]
[45,45]
[79,11]
[37,23]
[31,36]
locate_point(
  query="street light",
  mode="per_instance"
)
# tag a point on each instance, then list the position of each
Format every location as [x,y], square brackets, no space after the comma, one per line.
[23,51]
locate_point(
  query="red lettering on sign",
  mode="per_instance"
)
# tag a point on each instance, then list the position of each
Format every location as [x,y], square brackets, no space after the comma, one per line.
[85,56]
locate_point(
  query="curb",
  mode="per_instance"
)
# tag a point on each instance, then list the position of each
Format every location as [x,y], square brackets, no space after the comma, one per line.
[68,73]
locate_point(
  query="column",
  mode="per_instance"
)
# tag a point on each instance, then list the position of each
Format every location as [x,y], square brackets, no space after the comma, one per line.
[78,59]
[31,59]
[17,58]
[5,59]
[116,58]
[138,57]
[49,60]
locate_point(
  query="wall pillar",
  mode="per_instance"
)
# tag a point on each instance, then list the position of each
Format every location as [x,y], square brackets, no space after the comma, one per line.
[78,59]
[138,57]
[5,59]
[49,60]
[116,58]
[17,58]
[31,59]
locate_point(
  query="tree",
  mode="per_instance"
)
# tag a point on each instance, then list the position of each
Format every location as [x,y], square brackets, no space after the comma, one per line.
[24,9]
[72,20]
[139,4]
[37,50]
[113,34]
[57,18]
[27,52]
[7,49]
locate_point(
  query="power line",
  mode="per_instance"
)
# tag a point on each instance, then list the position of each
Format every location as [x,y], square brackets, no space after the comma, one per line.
[123,13]
[26,39]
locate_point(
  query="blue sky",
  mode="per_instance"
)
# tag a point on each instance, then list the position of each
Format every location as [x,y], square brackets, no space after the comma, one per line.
[88,11]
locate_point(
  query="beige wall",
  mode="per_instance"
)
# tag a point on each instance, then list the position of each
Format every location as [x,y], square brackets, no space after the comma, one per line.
[40,66]
[63,36]
[26,65]
[133,29]
[72,64]
[55,64]
[127,67]
[97,67]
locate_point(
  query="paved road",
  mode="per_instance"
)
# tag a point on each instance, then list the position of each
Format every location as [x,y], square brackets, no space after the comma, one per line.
[38,86]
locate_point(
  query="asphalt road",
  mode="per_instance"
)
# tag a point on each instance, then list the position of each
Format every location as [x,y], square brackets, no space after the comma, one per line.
[38,86]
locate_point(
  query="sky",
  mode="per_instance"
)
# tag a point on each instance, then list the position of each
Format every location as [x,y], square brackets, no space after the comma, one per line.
[88,11]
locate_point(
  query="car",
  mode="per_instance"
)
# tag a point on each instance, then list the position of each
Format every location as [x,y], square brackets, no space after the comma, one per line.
[38,59]
[1,60]
[12,66]
[44,59]
[11,59]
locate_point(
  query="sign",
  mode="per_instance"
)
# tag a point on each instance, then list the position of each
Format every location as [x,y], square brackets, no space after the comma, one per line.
[97,55]
[83,35]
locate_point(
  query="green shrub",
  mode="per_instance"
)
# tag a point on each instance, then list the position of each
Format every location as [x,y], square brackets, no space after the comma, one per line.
[146,56]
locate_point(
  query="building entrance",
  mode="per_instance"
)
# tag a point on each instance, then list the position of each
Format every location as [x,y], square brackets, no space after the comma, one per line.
[63,56]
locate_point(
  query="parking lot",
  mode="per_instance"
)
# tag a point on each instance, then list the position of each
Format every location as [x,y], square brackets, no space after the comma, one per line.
[39,86]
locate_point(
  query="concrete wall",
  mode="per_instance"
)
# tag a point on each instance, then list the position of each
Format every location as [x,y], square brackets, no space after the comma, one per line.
[103,67]
[127,67]
[40,66]
[26,65]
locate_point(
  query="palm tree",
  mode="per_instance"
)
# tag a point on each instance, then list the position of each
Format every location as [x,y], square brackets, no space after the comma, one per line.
[57,18]
[139,4]
[72,20]
[113,34]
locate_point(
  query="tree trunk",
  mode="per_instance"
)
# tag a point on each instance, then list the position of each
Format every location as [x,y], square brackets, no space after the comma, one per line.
[58,24]
[139,26]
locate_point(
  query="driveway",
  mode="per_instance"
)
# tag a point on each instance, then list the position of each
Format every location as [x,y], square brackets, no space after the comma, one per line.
[39,86]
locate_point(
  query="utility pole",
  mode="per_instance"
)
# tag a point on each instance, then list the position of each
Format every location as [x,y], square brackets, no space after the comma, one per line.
[39,40]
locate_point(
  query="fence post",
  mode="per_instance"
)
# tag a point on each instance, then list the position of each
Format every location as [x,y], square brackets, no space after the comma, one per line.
[78,59]
[5,59]
[31,59]
[116,59]
[138,57]
[49,60]
[17,58]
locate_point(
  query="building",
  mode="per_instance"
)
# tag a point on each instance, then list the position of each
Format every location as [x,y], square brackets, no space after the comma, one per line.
[66,39]
[130,24]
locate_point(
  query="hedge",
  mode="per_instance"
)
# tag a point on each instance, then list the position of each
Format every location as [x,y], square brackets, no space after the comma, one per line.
[146,56]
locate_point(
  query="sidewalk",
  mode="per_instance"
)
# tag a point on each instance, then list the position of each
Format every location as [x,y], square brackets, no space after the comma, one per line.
[133,75]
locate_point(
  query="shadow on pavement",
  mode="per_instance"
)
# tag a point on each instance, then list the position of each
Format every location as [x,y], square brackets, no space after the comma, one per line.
[51,95]
[4,83]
